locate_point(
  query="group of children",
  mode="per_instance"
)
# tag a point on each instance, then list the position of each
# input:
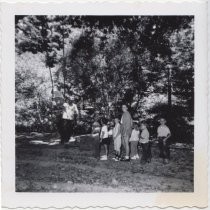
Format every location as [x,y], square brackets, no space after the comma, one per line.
[139,137]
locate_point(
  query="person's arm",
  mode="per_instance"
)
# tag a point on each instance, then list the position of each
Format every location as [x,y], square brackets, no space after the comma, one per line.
[142,135]
[157,132]
[102,134]
[128,123]
[168,135]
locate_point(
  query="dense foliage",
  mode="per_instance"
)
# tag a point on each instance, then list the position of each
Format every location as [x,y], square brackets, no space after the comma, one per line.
[103,61]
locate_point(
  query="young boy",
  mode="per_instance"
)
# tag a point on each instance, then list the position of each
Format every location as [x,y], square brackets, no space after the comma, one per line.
[144,141]
[163,135]
[134,141]
[104,139]
[117,139]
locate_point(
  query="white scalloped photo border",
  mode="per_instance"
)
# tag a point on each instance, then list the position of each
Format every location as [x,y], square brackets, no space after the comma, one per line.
[7,95]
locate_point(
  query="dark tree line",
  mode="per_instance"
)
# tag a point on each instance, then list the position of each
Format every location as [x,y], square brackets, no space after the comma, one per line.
[147,61]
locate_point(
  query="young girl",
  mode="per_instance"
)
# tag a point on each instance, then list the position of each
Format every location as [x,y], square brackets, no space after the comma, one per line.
[104,139]
[117,139]
[134,141]
[144,141]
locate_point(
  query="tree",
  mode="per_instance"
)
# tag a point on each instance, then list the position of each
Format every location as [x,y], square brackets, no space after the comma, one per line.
[36,34]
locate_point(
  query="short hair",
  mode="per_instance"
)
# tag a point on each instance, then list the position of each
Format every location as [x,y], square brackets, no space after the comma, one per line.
[143,123]
[104,121]
[135,123]
[124,104]
[117,117]
[162,118]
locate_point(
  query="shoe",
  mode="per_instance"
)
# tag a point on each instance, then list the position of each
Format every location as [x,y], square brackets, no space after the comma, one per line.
[137,156]
[133,158]
[125,159]
[116,159]
[103,157]
[72,139]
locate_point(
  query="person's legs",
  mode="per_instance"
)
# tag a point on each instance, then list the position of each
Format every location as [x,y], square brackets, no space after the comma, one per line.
[106,149]
[134,151]
[108,144]
[123,144]
[127,149]
[118,146]
[65,130]
[132,154]
[70,129]
[161,147]
[97,143]
[61,131]
[149,153]
[135,148]
[167,149]
[100,144]
[143,157]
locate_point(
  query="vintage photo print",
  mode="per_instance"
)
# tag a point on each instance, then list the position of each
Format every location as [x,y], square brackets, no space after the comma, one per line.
[104,104]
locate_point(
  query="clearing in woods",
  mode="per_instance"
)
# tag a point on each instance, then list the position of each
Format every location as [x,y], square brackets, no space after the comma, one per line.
[53,168]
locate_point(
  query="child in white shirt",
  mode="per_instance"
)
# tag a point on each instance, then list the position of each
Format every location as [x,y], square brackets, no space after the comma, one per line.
[134,141]
[163,135]
[144,141]
[104,139]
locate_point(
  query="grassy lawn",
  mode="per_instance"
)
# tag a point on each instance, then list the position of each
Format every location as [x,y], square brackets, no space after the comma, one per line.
[44,168]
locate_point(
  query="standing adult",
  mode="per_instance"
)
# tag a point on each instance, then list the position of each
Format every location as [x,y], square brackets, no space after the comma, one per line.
[70,111]
[126,129]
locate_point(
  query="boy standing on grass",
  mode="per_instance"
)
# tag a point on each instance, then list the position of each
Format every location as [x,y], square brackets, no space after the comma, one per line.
[117,139]
[104,139]
[134,141]
[144,141]
[163,134]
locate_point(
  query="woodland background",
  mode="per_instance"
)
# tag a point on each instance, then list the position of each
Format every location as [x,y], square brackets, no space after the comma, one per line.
[103,61]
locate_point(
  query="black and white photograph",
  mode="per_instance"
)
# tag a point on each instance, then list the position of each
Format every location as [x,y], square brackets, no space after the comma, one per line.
[104,103]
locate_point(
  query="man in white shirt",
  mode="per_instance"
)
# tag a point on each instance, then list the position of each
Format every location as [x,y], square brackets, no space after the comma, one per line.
[163,134]
[70,111]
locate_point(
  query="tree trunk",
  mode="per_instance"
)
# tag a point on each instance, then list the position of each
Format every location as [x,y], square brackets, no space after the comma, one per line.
[64,68]
[51,78]
[169,89]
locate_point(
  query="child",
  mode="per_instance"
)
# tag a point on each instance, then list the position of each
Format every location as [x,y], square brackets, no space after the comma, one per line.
[104,139]
[96,128]
[117,139]
[163,134]
[110,131]
[144,141]
[134,141]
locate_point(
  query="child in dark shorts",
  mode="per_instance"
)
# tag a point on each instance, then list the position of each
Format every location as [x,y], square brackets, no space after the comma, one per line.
[145,144]
[104,139]
[163,135]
